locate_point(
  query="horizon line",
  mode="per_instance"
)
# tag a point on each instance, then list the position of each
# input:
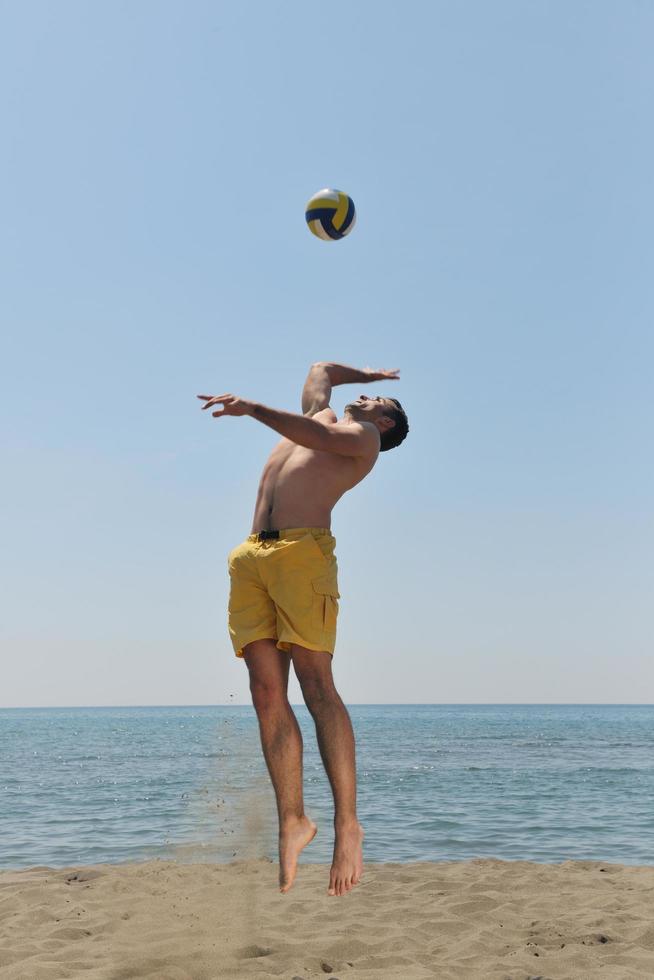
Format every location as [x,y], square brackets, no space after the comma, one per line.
[353,704]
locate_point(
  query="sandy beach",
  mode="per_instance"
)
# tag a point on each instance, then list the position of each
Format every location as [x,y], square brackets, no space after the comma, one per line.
[479,919]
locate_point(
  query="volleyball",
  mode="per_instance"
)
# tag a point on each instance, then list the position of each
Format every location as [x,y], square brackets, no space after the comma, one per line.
[330,214]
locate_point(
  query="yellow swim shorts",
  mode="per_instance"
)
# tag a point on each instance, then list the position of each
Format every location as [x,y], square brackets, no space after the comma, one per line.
[284,589]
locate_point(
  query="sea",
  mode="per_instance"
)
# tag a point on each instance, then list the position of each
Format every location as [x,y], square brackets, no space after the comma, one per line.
[545,783]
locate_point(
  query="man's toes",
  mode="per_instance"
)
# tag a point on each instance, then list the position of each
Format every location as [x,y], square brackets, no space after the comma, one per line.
[286,878]
[340,886]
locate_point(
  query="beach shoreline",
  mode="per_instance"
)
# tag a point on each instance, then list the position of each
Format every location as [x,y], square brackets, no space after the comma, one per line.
[475,919]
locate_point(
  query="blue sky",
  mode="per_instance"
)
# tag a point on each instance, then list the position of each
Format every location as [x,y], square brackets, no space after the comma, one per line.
[156,162]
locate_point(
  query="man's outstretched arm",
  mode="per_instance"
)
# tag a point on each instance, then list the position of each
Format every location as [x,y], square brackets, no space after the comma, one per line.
[356,439]
[323,376]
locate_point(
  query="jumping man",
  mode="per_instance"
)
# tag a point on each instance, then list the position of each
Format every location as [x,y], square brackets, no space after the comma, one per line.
[283,601]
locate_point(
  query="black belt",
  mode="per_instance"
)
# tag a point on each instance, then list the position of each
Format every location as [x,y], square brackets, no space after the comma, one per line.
[268,535]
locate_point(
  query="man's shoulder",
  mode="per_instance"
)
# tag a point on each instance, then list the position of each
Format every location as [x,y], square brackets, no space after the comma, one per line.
[366,433]
[326,415]
[358,426]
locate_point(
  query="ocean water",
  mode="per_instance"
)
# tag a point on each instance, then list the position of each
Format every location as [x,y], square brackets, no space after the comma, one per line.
[435,782]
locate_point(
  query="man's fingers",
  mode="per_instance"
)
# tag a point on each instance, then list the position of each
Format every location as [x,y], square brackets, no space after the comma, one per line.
[213,400]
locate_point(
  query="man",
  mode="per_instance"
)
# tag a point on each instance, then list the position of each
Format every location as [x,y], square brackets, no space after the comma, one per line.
[284,596]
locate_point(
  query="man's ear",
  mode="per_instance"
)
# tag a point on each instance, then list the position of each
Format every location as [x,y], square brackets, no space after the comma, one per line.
[387,423]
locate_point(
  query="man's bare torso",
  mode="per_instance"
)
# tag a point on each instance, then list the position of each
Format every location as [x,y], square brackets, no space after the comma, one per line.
[299,487]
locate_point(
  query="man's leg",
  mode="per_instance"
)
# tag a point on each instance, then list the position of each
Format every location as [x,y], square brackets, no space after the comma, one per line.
[281,741]
[336,743]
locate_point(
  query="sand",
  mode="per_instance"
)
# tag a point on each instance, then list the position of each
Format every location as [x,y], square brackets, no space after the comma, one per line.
[479,919]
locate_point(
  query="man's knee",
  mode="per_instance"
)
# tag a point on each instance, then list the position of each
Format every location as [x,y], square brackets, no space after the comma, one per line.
[318,691]
[268,669]
[267,694]
[313,670]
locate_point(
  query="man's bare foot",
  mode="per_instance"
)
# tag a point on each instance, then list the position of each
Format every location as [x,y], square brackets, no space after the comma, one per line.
[347,866]
[293,836]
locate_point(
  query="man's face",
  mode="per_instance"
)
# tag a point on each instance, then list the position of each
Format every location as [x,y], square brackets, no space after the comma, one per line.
[368,408]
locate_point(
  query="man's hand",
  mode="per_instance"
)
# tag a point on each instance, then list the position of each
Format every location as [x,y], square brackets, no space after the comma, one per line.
[231,405]
[373,375]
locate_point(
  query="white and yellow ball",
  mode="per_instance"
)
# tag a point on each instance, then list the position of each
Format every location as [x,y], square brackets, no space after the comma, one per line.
[330,214]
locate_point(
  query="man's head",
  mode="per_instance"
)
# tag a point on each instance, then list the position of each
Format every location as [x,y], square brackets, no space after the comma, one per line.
[386,414]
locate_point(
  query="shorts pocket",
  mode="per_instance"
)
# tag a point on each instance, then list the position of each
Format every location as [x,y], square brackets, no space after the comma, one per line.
[323,547]
[326,596]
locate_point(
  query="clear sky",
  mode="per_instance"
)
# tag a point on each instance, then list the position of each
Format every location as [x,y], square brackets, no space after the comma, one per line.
[156,159]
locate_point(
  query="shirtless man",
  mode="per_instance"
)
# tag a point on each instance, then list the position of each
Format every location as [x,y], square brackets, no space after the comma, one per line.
[284,596]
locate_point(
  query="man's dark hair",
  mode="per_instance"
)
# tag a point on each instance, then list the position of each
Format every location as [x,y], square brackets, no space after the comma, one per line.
[393,437]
